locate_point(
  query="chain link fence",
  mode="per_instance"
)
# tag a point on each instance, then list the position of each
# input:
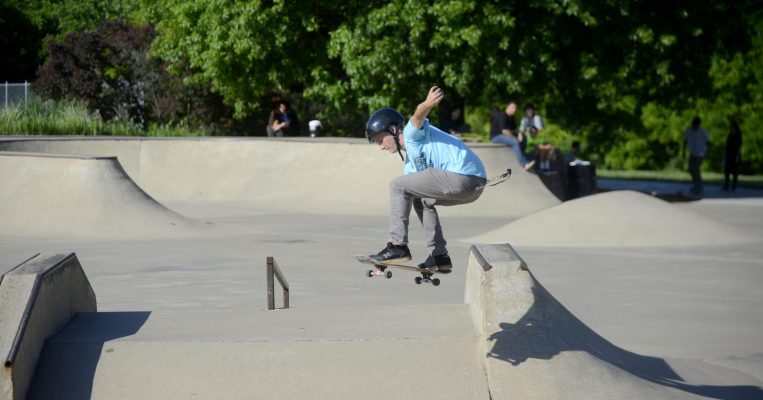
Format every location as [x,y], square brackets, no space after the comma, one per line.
[14,93]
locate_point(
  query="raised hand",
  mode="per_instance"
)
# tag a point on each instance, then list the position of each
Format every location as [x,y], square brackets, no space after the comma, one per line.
[434,97]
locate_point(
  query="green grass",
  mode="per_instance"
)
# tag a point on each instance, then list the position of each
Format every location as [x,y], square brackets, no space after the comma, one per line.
[751,181]
[71,117]
[172,131]
[66,117]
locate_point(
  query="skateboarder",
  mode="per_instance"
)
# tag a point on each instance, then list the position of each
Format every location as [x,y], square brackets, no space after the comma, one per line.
[439,170]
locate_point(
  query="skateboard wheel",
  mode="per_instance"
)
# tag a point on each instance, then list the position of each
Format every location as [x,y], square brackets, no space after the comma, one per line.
[436,282]
[389,274]
[370,273]
[418,280]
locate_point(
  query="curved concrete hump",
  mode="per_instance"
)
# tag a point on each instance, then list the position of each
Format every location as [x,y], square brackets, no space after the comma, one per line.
[78,196]
[522,194]
[37,298]
[323,175]
[619,218]
[534,348]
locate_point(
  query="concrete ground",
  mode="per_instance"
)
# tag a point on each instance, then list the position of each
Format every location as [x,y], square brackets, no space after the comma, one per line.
[700,304]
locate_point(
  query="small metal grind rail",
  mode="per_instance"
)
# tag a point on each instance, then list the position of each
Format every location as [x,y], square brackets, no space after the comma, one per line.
[273,270]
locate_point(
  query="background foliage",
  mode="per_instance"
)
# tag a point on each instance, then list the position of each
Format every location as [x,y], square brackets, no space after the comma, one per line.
[623,77]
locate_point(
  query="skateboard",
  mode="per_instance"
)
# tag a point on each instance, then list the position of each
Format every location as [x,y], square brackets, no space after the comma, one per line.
[380,268]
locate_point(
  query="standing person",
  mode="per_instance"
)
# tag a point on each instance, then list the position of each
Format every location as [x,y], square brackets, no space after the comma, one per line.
[439,170]
[733,155]
[697,139]
[503,130]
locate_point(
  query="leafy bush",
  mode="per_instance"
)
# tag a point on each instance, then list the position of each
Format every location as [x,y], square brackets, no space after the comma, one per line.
[110,70]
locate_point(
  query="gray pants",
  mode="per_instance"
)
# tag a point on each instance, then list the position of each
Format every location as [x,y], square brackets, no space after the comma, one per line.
[422,191]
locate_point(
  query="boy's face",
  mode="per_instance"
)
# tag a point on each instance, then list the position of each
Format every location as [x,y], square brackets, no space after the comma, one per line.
[511,109]
[386,141]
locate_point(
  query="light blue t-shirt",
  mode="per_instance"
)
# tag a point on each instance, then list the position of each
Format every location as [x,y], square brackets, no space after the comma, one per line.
[430,147]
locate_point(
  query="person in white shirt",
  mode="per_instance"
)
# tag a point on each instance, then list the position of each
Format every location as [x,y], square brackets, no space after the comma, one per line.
[529,120]
[697,140]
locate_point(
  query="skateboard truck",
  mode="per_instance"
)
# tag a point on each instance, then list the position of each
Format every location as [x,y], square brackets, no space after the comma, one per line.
[379,270]
[426,277]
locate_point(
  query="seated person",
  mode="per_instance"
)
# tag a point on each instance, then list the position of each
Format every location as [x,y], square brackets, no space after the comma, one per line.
[283,121]
[571,158]
[453,121]
[531,119]
[503,130]
[539,150]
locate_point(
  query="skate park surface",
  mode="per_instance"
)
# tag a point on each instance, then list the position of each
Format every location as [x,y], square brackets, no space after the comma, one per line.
[640,298]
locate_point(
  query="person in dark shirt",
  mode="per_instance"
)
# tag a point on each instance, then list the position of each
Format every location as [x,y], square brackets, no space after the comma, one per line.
[504,131]
[452,118]
[283,121]
[733,155]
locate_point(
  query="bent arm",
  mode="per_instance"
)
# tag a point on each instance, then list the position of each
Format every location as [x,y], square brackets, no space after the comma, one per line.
[422,110]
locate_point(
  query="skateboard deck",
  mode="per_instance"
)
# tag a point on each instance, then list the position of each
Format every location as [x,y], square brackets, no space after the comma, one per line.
[380,268]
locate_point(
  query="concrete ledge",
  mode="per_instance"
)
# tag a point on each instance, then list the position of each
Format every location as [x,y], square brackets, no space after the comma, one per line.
[483,258]
[37,299]
[54,155]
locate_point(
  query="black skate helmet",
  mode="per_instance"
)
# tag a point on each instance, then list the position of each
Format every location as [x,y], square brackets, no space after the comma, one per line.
[380,121]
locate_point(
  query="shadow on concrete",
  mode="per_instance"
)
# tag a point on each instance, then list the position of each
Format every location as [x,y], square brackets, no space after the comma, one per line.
[676,191]
[548,329]
[68,362]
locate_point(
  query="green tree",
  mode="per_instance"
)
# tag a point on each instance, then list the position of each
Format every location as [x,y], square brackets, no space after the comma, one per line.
[28,23]
[246,50]
[623,76]
[59,17]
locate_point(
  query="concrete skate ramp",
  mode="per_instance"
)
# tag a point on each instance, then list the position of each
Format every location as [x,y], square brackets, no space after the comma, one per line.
[619,218]
[346,176]
[78,196]
[536,349]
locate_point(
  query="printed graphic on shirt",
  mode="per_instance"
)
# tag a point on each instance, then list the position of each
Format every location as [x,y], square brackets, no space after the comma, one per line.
[421,162]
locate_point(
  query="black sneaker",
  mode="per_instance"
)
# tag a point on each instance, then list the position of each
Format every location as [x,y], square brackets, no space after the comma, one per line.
[442,262]
[393,254]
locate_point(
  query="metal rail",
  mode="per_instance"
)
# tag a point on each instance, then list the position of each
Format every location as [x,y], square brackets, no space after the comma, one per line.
[273,270]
